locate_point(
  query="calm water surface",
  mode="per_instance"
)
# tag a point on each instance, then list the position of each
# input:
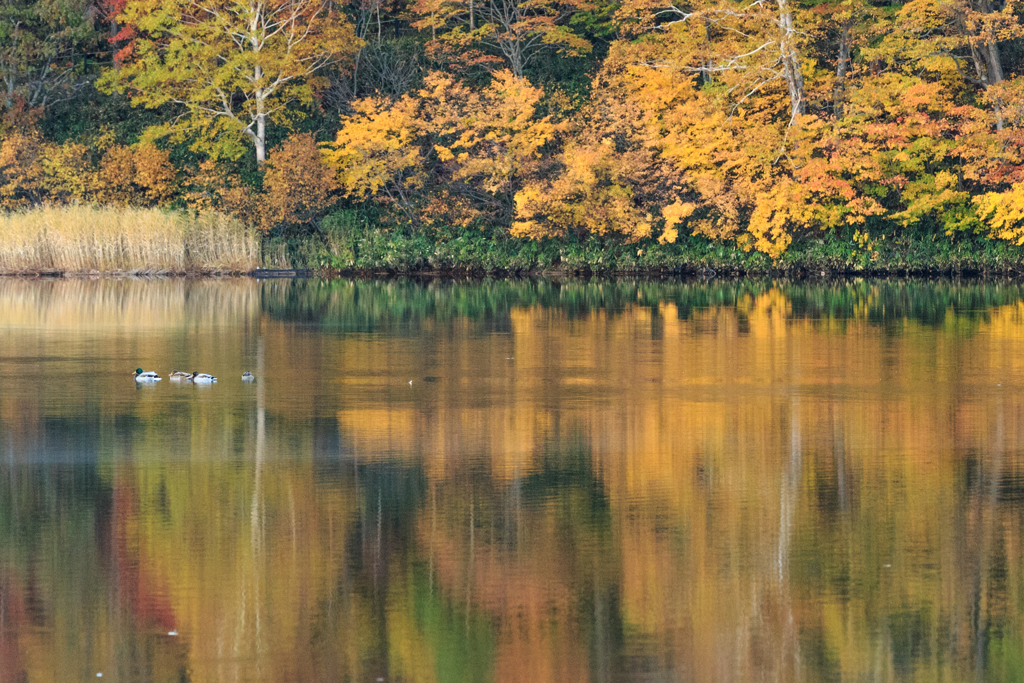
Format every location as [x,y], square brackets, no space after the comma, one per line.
[533,482]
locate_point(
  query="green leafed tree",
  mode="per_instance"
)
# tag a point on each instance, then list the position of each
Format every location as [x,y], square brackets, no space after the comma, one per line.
[230,68]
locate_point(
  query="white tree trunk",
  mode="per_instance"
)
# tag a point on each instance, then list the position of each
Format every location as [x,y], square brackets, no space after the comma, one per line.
[790,60]
[260,139]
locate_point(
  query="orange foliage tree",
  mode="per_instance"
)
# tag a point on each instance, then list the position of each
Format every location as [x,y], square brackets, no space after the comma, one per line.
[22,175]
[140,176]
[297,185]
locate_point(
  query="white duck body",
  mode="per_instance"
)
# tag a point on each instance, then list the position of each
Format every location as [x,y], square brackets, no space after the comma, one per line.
[150,376]
[202,378]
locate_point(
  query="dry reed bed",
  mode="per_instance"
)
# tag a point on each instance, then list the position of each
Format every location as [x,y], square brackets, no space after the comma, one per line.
[100,239]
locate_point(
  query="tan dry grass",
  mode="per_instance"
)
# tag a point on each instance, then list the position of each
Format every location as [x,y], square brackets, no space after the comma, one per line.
[88,238]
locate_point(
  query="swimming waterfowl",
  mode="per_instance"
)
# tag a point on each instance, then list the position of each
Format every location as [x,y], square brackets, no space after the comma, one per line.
[247,376]
[150,376]
[203,378]
[179,376]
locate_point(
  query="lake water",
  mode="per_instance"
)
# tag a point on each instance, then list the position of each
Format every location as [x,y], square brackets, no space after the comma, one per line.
[512,481]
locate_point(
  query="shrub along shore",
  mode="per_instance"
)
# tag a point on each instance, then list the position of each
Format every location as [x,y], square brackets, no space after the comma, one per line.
[382,253]
[88,239]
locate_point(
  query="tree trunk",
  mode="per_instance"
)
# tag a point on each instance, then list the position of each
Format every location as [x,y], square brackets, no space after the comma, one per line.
[842,66]
[790,60]
[707,76]
[993,67]
[260,139]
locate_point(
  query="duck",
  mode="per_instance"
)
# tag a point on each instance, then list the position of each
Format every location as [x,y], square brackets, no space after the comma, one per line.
[179,376]
[150,376]
[203,378]
[247,376]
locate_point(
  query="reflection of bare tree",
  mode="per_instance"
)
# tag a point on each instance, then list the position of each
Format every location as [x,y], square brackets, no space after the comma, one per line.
[986,521]
[772,644]
[249,632]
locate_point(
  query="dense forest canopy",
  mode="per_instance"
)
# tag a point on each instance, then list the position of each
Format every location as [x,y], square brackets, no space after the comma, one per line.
[753,122]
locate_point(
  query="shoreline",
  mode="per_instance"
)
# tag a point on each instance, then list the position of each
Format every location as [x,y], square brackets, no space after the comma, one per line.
[379,252]
[465,274]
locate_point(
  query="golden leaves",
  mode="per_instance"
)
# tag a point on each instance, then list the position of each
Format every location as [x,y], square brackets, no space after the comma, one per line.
[483,141]
[1003,213]
[140,176]
[33,171]
[21,169]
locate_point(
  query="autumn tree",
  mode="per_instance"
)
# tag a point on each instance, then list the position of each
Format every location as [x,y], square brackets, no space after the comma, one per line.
[487,141]
[748,47]
[231,68]
[378,153]
[297,185]
[951,41]
[476,145]
[214,188]
[70,175]
[22,176]
[607,178]
[511,31]
[139,176]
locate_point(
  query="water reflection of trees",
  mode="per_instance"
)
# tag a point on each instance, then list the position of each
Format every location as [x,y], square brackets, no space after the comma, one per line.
[397,305]
[375,569]
[765,488]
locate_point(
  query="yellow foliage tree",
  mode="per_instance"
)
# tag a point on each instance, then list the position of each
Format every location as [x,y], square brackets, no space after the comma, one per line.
[69,172]
[1003,213]
[478,31]
[213,189]
[488,141]
[591,195]
[233,68]
[377,153]
[478,144]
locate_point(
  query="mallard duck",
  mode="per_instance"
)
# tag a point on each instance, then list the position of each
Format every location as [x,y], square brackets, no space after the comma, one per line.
[203,378]
[247,376]
[141,376]
[179,376]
